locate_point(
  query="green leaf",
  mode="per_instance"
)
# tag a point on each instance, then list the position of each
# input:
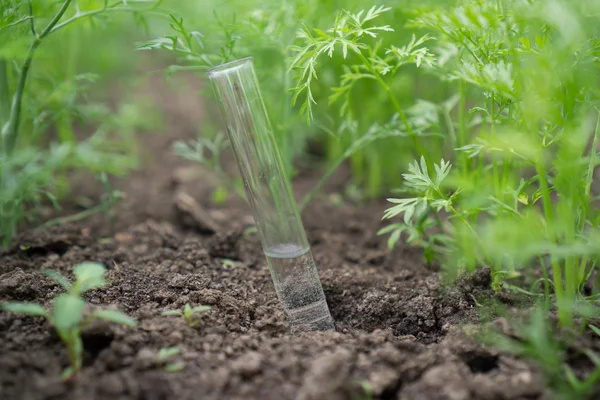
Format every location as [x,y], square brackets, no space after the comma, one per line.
[67,373]
[572,379]
[34,310]
[595,329]
[220,195]
[166,353]
[68,312]
[176,313]
[58,278]
[388,229]
[592,356]
[367,389]
[393,239]
[114,316]
[88,276]
[75,346]
[187,310]
[226,262]
[176,367]
[201,309]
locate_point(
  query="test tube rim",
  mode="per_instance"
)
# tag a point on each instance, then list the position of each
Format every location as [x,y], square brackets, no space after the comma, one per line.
[229,66]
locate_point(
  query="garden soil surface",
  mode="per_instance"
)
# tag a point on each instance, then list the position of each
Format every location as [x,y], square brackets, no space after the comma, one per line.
[400,334]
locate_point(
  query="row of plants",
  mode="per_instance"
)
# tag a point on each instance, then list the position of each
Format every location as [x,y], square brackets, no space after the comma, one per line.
[520,133]
[483,115]
[55,60]
[495,101]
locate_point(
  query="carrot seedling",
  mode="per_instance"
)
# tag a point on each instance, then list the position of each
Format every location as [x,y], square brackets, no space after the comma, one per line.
[67,316]
[165,355]
[188,313]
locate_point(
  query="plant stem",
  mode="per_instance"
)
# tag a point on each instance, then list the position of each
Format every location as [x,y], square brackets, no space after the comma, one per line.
[73,217]
[564,313]
[32,20]
[546,283]
[4,93]
[462,126]
[354,147]
[310,196]
[467,224]
[494,158]
[17,22]
[11,128]
[398,109]
[547,202]
[87,14]
[592,162]
[451,131]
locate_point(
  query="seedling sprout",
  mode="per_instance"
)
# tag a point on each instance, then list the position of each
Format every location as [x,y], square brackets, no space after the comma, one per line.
[165,355]
[68,315]
[189,314]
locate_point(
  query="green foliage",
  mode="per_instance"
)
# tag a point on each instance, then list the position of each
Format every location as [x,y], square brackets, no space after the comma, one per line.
[298,64]
[522,143]
[263,30]
[24,308]
[508,99]
[40,105]
[368,68]
[165,356]
[188,313]
[347,34]
[430,197]
[367,391]
[535,339]
[207,152]
[68,315]
[107,202]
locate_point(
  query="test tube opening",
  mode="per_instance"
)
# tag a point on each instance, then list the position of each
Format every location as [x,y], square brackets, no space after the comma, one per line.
[229,67]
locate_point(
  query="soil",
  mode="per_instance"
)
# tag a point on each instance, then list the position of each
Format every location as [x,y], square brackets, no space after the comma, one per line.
[399,333]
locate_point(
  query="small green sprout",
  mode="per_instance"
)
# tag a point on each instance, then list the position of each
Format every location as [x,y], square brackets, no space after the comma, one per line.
[367,391]
[188,313]
[227,262]
[166,354]
[67,314]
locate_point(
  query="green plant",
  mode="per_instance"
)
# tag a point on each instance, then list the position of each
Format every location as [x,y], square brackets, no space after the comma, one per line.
[539,341]
[513,112]
[207,152]
[36,100]
[430,197]
[188,313]
[225,37]
[107,202]
[68,315]
[369,61]
[165,356]
[367,391]
[523,134]
[268,31]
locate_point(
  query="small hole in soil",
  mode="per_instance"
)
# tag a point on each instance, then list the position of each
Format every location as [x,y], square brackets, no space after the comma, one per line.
[95,343]
[391,392]
[482,363]
[59,247]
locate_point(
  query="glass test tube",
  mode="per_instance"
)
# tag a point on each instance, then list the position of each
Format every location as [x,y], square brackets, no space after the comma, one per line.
[270,196]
